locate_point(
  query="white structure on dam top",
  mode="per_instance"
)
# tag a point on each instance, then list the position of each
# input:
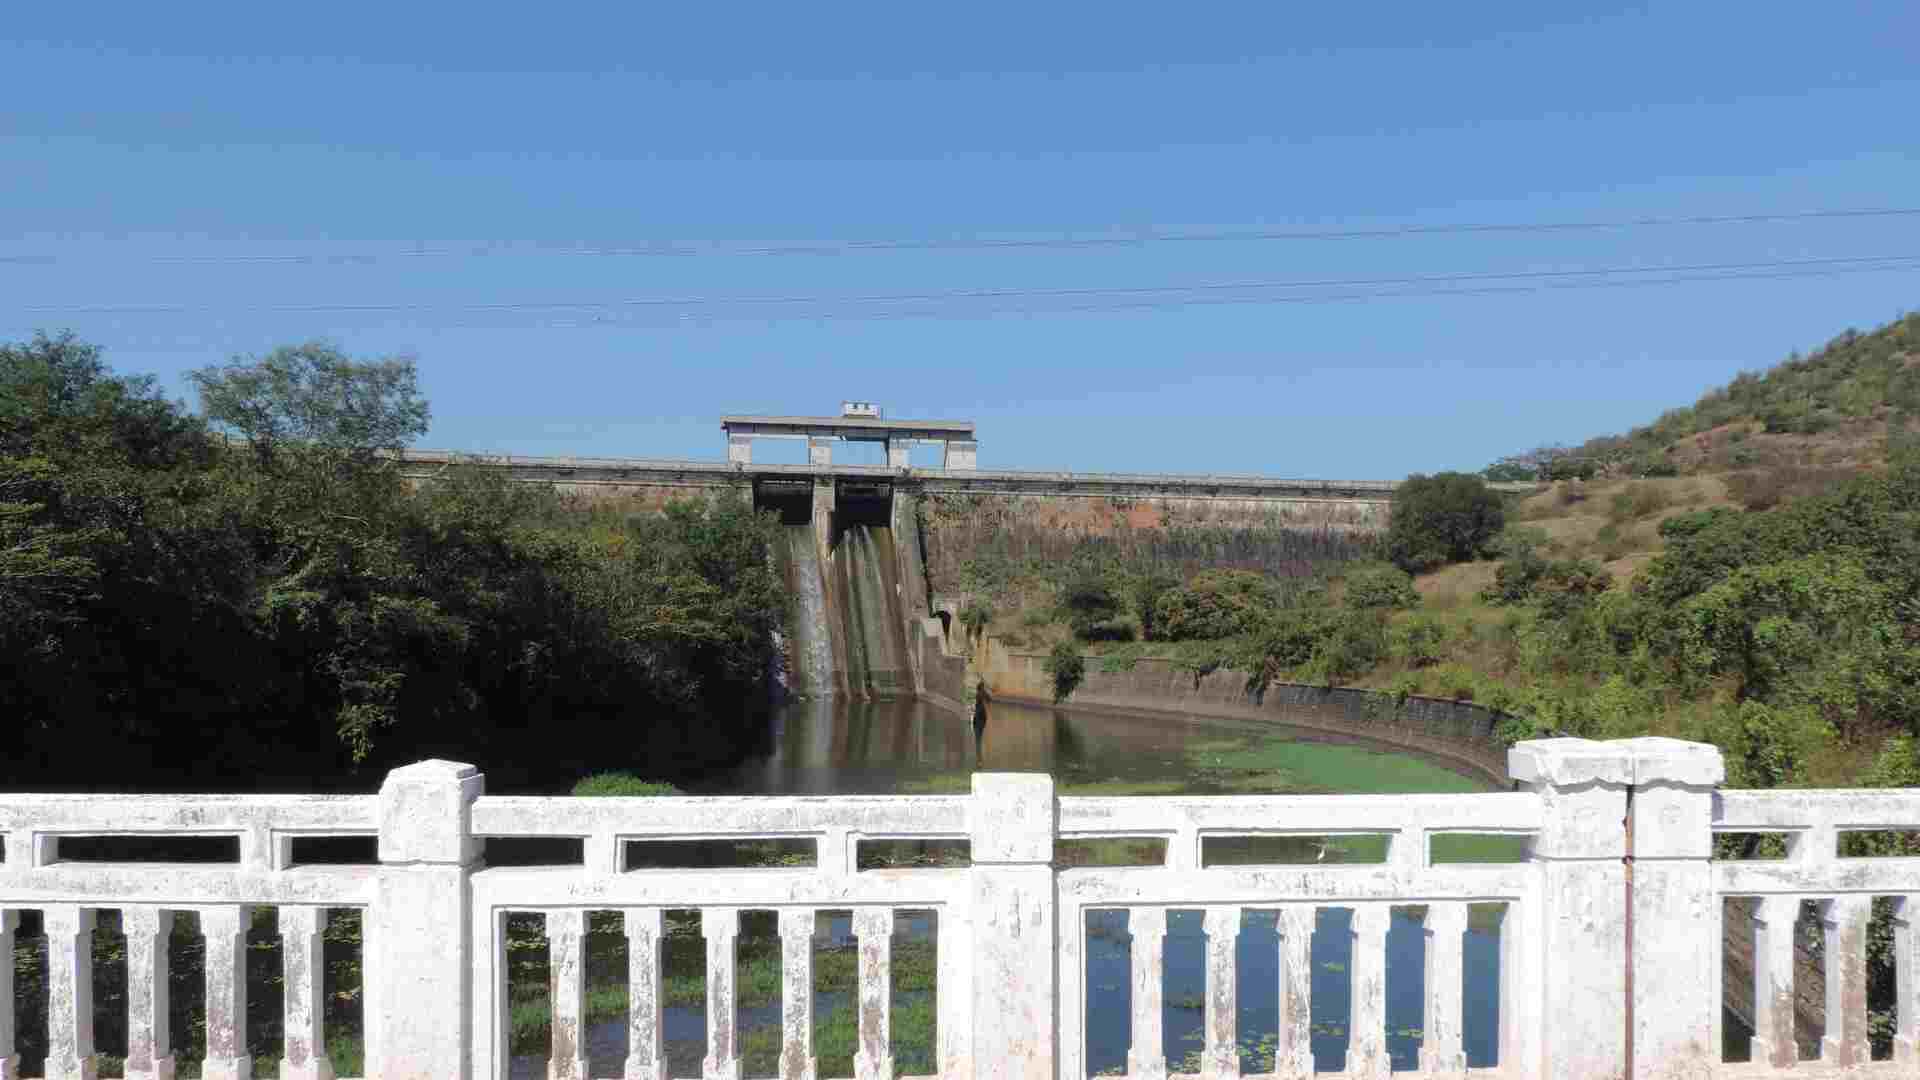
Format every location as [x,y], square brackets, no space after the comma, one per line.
[1610,941]
[859,421]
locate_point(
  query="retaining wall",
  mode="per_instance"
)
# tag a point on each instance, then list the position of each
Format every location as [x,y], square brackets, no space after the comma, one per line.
[1459,733]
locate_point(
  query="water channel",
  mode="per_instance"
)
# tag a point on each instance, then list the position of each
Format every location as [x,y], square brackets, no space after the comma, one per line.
[828,747]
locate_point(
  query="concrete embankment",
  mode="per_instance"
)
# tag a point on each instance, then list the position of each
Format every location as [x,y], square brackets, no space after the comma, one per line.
[1457,733]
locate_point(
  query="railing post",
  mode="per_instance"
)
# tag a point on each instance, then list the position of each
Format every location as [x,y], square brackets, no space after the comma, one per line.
[418,960]
[1676,925]
[1574,1017]
[1011,823]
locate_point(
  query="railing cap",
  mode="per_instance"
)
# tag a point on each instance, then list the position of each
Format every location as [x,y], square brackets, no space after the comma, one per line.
[1568,761]
[1011,818]
[1645,760]
[1658,760]
[426,813]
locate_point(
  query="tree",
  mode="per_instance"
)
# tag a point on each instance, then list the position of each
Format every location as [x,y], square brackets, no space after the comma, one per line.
[1068,666]
[1447,517]
[1216,604]
[59,401]
[1088,599]
[314,395]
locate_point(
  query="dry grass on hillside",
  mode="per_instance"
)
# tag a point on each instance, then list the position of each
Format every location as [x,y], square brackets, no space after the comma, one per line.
[1615,522]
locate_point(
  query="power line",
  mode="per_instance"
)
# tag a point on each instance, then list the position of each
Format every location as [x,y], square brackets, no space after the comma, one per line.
[1171,294]
[665,249]
[649,318]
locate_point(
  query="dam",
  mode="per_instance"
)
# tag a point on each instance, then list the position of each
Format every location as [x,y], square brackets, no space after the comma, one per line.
[852,554]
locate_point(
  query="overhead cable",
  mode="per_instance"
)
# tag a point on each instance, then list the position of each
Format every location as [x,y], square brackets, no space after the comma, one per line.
[1138,237]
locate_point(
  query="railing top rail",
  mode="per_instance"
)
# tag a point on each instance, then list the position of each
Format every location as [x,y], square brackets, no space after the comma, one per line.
[1300,814]
[1849,809]
[529,888]
[185,885]
[1279,886]
[108,814]
[722,816]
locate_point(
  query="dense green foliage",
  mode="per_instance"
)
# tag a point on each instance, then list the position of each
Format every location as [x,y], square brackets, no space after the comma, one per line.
[1380,586]
[1215,604]
[1447,517]
[312,395]
[285,619]
[617,784]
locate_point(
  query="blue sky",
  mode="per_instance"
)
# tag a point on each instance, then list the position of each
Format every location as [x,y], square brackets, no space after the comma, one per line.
[152,150]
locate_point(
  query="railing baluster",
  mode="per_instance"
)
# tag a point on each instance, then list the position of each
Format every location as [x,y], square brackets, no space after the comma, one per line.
[1773,1039]
[1367,1037]
[225,930]
[1441,1053]
[873,1058]
[302,959]
[149,1042]
[1293,1042]
[645,1057]
[796,993]
[1906,1032]
[1146,1055]
[721,927]
[567,982]
[1221,1057]
[9,1059]
[1518,1031]
[69,992]
[1844,920]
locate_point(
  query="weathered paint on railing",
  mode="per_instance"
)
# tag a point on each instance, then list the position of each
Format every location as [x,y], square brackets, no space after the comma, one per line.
[1012,929]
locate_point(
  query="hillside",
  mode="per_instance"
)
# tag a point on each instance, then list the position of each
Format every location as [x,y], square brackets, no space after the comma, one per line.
[1745,571]
[1836,411]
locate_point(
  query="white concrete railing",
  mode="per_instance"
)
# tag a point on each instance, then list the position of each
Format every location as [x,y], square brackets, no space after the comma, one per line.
[1609,959]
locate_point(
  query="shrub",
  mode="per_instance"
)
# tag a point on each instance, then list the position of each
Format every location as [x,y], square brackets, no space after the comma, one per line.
[621,784]
[1680,526]
[1068,666]
[1088,599]
[1637,501]
[976,616]
[1380,586]
[1354,643]
[1216,604]
[1570,468]
[1562,582]
[1447,517]
[1143,590]
[1419,640]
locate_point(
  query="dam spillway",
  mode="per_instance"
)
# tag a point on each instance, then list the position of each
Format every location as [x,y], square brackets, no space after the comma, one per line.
[866,580]
[809,644]
[846,632]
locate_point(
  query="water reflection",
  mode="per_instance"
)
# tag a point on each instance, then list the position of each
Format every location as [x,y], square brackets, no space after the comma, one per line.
[831,746]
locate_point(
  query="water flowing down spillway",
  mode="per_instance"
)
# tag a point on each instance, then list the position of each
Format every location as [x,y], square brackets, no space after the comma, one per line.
[810,641]
[866,577]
